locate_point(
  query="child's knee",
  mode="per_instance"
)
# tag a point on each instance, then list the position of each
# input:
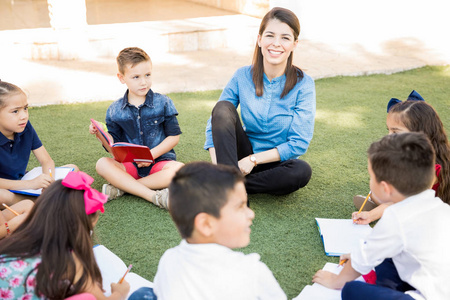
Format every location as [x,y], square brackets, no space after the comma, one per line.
[177,165]
[102,165]
[26,205]
[8,197]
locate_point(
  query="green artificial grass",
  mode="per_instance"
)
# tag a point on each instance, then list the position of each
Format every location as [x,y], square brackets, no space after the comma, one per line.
[351,113]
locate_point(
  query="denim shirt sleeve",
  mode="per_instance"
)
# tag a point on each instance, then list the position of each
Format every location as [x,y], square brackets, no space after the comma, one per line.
[302,127]
[171,125]
[113,128]
[231,94]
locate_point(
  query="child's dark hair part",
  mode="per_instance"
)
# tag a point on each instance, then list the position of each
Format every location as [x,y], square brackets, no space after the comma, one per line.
[6,90]
[131,56]
[200,187]
[404,160]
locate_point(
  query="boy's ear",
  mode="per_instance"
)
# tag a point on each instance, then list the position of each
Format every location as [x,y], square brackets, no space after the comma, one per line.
[204,224]
[388,189]
[120,76]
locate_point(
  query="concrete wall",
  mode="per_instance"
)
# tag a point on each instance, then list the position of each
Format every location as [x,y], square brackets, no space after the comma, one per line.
[255,8]
[370,25]
[374,24]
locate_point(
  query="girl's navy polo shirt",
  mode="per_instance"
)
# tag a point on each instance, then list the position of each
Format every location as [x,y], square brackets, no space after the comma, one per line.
[15,154]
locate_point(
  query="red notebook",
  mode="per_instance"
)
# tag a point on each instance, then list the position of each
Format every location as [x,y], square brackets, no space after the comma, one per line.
[123,152]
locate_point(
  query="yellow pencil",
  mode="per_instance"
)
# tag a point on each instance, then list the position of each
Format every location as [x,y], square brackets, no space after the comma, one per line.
[343,262]
[11,210]
[50,171]
[364,203]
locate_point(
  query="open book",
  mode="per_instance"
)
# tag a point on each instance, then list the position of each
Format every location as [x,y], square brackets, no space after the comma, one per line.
[113,269]
[123,152]
[60,173]
[317,291]
[341,236]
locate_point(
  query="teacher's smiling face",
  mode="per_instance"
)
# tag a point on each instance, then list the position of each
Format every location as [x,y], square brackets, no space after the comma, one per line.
[276,43]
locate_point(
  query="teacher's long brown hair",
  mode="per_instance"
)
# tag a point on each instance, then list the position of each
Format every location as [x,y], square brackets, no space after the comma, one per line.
[293,73]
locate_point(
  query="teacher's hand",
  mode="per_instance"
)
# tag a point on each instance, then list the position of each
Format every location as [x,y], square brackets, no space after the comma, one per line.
[246,165]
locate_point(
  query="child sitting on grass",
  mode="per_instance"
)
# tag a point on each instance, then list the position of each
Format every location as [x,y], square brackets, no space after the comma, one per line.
[145,118]
[413,115]
[410,245]
[208,204]
[17,140]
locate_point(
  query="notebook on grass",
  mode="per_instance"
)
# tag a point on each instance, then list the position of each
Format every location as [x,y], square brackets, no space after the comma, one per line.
[340,236]
[60,173]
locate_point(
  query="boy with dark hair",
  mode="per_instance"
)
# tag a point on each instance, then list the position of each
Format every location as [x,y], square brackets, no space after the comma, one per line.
[410,245]
[208,204]
[145,118]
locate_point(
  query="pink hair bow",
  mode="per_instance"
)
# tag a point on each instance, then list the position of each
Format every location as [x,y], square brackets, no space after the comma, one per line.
[93,199]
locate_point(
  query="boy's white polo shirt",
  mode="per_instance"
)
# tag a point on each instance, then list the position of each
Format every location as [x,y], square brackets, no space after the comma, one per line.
[212,271]
[415,233]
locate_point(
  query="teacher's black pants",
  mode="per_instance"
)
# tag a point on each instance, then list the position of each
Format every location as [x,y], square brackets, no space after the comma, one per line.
[232,144]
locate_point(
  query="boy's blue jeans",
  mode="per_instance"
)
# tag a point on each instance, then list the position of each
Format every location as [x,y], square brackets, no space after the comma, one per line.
[143,293]
[389,285]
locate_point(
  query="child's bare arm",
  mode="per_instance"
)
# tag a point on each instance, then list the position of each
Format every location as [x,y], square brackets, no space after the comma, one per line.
[165,146]
[37,183]
[48,168]
[334,281]
[212,153]
[8,217]
[367,217]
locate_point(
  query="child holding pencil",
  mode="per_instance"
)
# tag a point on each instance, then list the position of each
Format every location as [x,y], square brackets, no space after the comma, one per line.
[17,140]
[409,245]
[50,255]
[413,115]
[12,217]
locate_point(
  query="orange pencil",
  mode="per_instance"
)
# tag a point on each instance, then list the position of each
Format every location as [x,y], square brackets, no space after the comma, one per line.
[50,171]
[126,272]
[11,210]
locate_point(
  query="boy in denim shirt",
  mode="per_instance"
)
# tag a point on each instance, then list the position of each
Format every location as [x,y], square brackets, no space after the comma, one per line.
[145,118]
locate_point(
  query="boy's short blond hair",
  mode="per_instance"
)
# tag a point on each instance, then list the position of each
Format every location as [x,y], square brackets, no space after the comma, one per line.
[131,56]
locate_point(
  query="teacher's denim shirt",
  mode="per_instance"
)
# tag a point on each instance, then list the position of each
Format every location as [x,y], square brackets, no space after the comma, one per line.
[269,121]
[148,125]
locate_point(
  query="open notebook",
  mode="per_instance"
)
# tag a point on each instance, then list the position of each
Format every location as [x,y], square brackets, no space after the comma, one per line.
[341,236]
[113,269]
[317,291]
[61,173]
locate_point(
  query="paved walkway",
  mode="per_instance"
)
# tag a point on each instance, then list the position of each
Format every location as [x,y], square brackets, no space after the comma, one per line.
[54,82]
